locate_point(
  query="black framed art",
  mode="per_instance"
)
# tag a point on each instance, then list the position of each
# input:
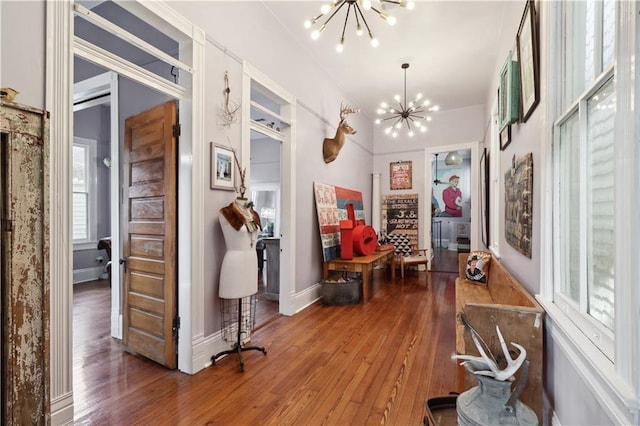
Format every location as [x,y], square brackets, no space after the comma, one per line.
[505,137]
[528,61]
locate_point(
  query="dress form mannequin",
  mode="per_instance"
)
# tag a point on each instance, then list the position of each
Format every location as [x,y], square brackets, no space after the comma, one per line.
[239,274]
[240,225]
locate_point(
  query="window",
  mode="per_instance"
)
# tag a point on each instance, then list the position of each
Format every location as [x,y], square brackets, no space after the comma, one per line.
[590,251]
[584,270]
[84,225]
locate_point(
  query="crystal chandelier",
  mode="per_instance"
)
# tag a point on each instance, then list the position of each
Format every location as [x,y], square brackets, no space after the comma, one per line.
[358,6]
[410,114]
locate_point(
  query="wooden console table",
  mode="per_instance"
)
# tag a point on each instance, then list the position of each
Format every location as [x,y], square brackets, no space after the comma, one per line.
[364,265]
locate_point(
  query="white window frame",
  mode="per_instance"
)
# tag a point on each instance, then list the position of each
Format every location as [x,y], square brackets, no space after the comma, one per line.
[614,383]
[494,185]
[92,209]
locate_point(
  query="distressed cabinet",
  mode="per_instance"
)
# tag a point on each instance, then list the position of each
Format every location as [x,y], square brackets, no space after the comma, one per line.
[24,263]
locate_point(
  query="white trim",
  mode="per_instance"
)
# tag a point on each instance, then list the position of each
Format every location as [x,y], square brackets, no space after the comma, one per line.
[474,147]
[62,410]
[191,195]
[627,181]
[87,274]
[616,398]
[106,84]
[287,177]
[494,185]
[58,101]
[109,26]
[108,60]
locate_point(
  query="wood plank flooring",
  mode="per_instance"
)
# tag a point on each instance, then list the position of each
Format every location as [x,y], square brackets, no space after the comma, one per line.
[328,365]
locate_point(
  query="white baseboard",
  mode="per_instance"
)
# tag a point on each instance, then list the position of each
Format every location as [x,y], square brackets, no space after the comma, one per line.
[62,410]
[87,274]
[306,298]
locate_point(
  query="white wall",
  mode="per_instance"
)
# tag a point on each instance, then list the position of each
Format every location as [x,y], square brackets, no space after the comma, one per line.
[317,116]
[22,51]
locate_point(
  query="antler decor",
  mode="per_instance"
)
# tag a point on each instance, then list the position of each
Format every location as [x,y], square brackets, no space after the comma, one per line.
[486,364]
[242,188]
[331,147]
[229,113]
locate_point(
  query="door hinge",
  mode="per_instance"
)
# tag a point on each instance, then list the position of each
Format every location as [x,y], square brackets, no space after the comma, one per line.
[176,130]
[176,325]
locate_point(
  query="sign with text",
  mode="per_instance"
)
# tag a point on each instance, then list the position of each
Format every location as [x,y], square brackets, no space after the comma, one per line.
[400,216]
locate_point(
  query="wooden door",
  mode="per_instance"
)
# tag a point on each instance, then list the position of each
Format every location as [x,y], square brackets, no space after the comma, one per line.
[149,249]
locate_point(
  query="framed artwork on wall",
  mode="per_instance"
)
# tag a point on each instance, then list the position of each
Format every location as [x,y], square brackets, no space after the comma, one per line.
[508,105]
[484,196]
[222,168]
[400,175]
[527,41]
[505,137]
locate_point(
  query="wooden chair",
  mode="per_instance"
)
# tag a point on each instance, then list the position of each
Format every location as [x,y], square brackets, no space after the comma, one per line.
[405,254]
[417,257]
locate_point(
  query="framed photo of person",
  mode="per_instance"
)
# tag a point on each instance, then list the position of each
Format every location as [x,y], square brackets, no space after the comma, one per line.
[222,168]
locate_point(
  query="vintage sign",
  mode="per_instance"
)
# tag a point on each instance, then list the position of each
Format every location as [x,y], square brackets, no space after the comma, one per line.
[400,216]
[400,175]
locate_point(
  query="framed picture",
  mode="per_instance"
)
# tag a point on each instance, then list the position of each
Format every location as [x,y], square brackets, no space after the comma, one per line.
[400,175]
[508,105]
[484,196]
[505,137]
[222,168]
[528,61]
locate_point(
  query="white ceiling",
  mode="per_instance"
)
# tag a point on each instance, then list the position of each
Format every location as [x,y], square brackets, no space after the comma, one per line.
[450,46]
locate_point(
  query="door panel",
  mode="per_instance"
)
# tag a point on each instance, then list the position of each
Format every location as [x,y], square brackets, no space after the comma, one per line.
[150,234]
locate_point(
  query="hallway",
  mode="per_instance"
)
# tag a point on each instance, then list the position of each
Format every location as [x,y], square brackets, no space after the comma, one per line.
[359,364]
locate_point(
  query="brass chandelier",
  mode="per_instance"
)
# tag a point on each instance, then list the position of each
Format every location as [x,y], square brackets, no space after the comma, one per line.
[412,114]
[334,6]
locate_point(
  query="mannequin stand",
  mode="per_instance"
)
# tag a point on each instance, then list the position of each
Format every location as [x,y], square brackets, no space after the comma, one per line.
[237,345]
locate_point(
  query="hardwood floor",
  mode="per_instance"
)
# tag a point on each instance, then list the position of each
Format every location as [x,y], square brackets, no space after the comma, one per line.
[334,365]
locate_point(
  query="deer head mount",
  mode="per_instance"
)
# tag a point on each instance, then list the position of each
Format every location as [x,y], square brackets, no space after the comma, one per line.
[331,147]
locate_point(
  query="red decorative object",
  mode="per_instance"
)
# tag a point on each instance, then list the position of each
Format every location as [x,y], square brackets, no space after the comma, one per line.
[356,236]
[346,239]
[365,240]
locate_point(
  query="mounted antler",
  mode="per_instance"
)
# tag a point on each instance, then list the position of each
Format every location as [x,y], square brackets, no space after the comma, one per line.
[486,365]
[331,147]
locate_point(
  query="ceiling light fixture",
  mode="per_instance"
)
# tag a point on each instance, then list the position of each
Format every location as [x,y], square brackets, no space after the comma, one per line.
[453,159]
[358,6]
[406,113]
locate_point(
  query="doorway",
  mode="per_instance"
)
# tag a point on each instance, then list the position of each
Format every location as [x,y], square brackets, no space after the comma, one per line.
[452,180]
[264,189]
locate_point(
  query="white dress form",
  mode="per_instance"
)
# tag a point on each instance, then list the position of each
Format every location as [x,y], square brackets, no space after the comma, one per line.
[239,273]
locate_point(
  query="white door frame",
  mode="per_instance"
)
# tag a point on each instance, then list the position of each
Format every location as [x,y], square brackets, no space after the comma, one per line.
[58,89]
[106,86]
[475,188]
[287,305]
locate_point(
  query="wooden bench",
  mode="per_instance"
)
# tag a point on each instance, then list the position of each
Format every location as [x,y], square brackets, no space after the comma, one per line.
[505,303]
